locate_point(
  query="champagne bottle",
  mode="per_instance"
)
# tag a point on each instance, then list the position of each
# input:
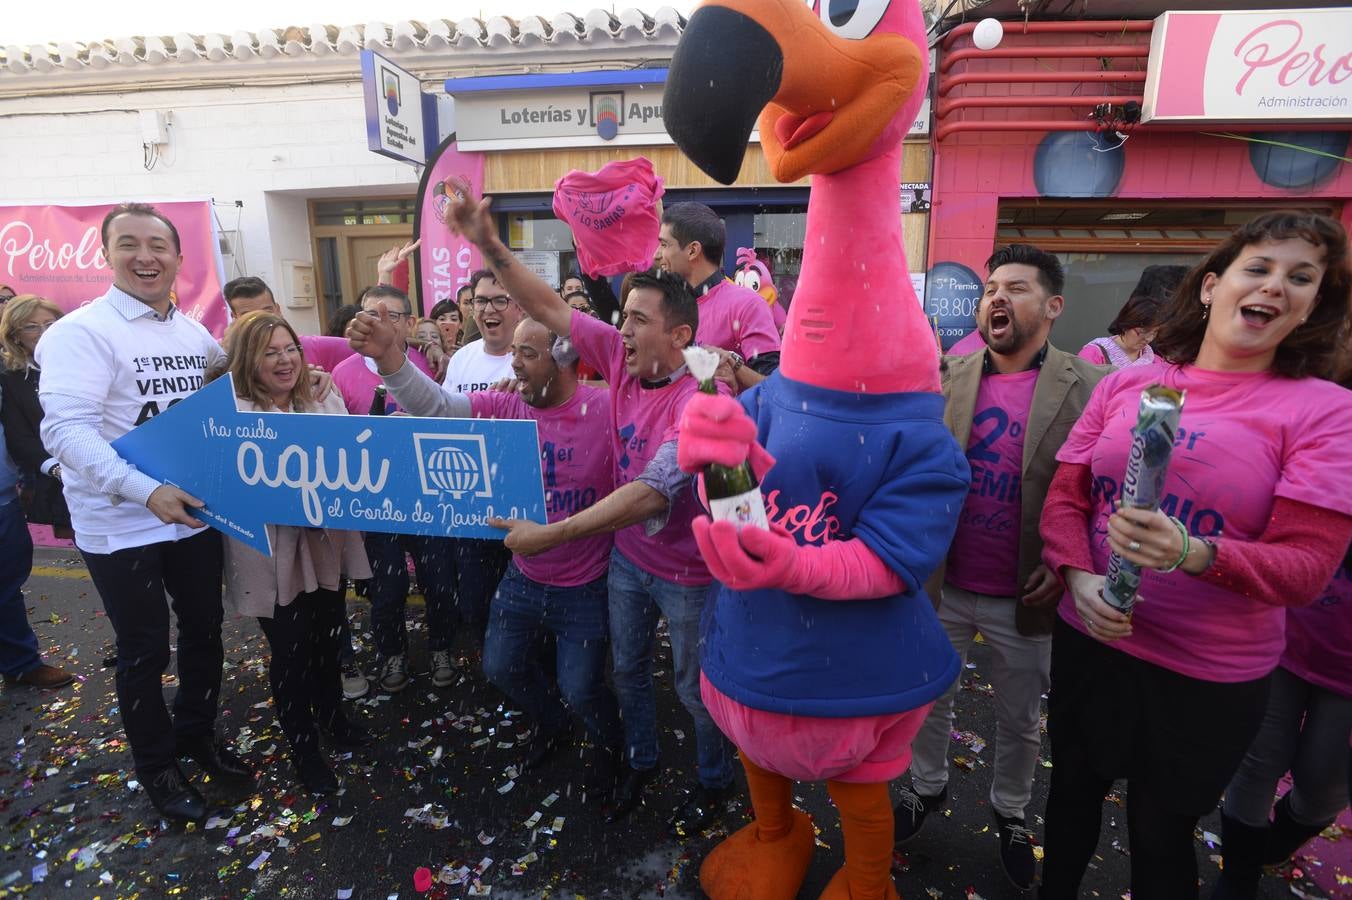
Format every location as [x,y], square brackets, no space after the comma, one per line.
[378,402]
[733,492]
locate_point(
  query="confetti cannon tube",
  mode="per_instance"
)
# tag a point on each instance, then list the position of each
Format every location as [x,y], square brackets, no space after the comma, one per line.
[1152,445]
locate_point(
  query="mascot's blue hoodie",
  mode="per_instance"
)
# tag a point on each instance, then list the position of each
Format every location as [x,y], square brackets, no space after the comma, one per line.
[895,479]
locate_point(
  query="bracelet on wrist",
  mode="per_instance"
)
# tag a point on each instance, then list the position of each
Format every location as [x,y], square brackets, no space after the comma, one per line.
[1187,545]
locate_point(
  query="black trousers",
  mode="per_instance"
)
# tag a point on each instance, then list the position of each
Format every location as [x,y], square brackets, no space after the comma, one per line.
[306,691]
[1176,740]
[133,584]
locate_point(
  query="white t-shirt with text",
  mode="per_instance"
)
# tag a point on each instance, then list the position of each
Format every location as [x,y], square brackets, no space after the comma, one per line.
[471,369]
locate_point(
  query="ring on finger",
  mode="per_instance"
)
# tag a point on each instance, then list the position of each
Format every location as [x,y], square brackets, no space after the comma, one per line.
[1134,546]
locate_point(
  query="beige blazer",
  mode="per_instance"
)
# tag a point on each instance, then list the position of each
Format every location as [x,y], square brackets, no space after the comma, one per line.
[1063,388]
[303,559]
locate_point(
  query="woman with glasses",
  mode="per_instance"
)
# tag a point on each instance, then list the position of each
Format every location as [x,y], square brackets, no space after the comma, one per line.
[23,322]
[295,593]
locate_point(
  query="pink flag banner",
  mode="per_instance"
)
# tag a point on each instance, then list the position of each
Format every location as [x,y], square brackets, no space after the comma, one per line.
[444,261]
[56,253]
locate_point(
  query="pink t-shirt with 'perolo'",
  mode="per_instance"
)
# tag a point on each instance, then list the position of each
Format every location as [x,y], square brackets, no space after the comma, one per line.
[642,420]
[984,557]
[1244,439]
[577,463]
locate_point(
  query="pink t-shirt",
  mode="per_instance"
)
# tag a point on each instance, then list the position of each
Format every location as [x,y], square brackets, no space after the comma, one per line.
[643,419]
[984,557]
[356,379]
[1243,440]
[577,461]
[613,215]
[1319,637]
[736,318]
[325,352]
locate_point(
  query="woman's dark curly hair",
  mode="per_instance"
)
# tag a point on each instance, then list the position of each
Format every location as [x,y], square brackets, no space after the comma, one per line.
[1310,348]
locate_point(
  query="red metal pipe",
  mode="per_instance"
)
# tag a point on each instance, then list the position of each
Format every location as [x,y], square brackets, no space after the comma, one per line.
[1088,51]
[947,106]
[948,128]
[1118,27]
[952,81]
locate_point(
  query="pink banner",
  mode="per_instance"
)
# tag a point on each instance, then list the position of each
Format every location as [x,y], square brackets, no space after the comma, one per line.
[56,253]
[445,261]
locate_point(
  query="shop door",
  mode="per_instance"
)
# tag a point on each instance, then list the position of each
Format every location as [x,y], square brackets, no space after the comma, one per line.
[350,236]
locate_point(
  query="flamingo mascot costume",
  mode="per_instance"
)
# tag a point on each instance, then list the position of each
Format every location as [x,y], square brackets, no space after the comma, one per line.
[821,653]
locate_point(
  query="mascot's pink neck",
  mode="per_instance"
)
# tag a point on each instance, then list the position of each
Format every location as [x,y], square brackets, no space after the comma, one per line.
[855,323]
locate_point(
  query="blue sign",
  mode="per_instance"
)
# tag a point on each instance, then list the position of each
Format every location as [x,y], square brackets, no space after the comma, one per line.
[952,293]
[398,474]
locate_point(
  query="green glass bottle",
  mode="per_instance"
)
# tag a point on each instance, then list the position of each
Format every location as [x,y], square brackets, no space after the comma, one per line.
[733,492]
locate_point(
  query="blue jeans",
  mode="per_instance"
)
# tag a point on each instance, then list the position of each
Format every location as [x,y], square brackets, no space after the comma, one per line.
[18,643]
[388,592]
[522,612]
[637,599]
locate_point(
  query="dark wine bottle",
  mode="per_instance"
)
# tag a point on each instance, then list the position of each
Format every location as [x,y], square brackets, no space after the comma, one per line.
[733,492]
[378,402]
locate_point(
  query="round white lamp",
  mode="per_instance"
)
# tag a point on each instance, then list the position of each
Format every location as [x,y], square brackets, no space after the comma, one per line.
[988,34]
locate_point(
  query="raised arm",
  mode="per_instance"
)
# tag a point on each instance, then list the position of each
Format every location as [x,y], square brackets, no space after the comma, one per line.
[469,217]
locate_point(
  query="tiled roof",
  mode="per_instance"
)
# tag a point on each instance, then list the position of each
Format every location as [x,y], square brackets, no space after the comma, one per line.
[408,39]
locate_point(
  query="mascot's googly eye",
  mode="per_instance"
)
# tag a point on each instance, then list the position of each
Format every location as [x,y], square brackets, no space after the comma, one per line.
[852,19]
[750,279]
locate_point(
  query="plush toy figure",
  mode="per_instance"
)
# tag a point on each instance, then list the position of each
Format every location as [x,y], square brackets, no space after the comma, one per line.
[755,275]
[821,653]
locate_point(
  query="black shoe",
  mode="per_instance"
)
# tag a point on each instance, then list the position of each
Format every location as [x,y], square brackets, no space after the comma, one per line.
[628,793]
[911,810]
[214,757]
[171,794]
[701,808]
[542,749]
[348,735]
[1016,851]
[314,773]
[1286,835]
[603,764]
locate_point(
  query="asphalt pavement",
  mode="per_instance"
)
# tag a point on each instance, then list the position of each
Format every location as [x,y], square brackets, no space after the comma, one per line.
[438,791]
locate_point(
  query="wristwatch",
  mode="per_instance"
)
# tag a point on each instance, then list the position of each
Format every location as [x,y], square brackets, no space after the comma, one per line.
[737,361]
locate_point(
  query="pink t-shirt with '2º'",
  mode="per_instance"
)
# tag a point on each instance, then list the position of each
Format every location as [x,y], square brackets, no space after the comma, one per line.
[1244,439]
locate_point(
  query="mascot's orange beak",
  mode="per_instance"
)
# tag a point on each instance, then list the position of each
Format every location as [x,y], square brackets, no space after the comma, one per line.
[822,100]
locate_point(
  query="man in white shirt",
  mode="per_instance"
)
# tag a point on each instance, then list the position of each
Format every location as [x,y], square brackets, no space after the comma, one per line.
[477,366]
[106,368]
[480,364]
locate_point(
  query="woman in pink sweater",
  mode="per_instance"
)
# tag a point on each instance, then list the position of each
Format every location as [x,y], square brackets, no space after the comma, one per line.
[1256,513]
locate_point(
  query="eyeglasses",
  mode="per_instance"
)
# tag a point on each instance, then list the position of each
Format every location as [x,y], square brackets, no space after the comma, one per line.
[274,355]
[374,314]
[498,303]
[35,328]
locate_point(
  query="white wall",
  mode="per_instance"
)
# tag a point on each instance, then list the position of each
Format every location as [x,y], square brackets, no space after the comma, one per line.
[269,147]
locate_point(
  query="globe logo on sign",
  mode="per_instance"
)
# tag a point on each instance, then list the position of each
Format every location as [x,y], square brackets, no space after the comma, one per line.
[455,464]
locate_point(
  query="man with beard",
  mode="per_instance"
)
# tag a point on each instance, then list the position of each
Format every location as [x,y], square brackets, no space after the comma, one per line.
[1012,406]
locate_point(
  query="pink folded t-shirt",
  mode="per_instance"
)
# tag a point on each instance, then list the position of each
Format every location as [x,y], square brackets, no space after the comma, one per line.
[613,216]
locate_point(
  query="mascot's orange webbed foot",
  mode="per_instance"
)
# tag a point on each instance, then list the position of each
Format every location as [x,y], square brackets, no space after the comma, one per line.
[745,867]
[839,889]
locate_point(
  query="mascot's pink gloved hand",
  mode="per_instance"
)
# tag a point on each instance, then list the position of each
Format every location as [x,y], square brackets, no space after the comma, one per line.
[715,429]
[754,558]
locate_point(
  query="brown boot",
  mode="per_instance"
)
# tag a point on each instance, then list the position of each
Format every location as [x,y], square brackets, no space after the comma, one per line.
[866,821]
[44,677]
[768,859]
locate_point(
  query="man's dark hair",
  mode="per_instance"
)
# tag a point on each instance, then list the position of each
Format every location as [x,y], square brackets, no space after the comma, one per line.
[1049,272]
[460,290]
[679,306]
[697,222]
[380,291]
[479,276]
[247,288]
[137,209]
[445,306]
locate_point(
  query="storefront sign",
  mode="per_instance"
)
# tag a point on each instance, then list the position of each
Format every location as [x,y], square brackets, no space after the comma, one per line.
[445,261]
[56,253]
[952,292]
[395,474]
[1292,65]
[401,121]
